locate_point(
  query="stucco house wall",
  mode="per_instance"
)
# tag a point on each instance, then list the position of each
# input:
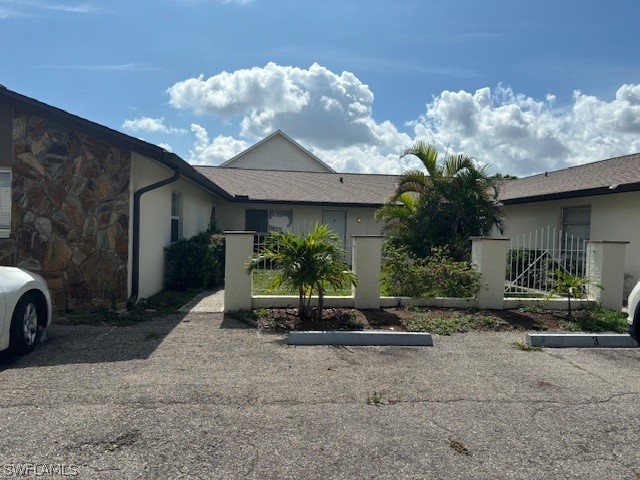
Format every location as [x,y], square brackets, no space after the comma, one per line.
[359,220]
[613,217]
[155,223]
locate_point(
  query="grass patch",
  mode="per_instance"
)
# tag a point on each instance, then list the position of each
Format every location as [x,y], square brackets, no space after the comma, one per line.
[164,303]
[525,347]
[456,323]
[596,319]
[262,284]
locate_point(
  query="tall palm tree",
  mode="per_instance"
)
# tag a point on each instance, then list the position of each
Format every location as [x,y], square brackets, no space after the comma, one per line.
[443,206]
[308,264]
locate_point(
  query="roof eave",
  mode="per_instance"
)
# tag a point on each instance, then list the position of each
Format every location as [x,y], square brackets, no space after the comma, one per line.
[113,137]
[262,201]
[590,192]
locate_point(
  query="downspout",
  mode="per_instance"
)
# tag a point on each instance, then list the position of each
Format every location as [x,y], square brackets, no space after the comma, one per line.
[135,254]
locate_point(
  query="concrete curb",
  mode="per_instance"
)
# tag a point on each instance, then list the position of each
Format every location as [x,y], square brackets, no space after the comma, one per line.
[416,339]
[580,340]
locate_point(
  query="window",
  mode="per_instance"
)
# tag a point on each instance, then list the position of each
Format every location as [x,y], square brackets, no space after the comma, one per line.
[263,221]
[176,216]
[576,225]
[5,203]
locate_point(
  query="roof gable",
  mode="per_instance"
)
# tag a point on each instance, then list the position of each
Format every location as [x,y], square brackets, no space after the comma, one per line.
[278,152]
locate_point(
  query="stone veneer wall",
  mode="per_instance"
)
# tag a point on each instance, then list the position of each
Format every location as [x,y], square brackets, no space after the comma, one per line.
[70,213]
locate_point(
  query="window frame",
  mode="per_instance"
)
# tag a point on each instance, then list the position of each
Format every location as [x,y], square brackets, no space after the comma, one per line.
[6,192]
[176,216]
[566,225]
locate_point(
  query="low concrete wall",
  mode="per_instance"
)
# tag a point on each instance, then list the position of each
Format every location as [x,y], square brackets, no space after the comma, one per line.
[438,302]
[291,301]
[551,304]
[489,257]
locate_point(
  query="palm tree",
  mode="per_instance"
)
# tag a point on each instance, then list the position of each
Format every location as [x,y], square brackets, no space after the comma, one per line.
[446,205]
[308,264]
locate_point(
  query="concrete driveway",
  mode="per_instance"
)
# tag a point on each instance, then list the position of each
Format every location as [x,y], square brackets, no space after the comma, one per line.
[200,396]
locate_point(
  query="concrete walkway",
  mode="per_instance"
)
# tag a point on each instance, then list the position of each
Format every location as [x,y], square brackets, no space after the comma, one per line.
[207,301]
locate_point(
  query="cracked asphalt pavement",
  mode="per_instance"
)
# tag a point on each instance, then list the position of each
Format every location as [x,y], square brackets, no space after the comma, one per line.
[202,396]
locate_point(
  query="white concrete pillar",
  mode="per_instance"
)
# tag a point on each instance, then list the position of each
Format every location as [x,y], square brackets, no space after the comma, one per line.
[489,257]
[605,267]
[237,283]
[367,260]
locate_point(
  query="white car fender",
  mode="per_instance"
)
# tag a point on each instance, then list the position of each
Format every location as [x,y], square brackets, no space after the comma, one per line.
[15,282]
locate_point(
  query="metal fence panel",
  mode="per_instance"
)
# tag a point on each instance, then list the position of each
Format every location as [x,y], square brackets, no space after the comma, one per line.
[533,258]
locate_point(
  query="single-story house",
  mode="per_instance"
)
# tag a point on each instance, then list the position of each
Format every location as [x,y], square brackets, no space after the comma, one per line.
[92,209]
[594,201]
[275,198]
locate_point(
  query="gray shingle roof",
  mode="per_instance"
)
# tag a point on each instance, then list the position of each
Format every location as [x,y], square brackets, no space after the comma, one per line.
[279,186]
[614,175]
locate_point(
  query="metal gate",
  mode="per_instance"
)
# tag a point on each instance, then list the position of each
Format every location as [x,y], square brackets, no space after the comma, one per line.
[533,258]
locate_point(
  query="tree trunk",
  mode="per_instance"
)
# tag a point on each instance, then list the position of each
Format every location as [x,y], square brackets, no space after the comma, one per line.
[320,302]
[302,310]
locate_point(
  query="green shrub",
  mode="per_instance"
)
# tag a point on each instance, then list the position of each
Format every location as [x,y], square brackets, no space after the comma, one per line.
[197,262]
[597,319]
[435,276]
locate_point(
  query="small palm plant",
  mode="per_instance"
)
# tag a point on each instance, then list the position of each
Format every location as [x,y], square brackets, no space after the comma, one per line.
[572,286]
[309,264]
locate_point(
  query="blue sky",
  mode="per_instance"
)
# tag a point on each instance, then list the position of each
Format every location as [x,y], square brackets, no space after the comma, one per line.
[523,86]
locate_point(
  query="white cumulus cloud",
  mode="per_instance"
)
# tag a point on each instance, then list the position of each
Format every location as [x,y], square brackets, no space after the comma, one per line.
[315,105]
[517,134]
[148,124]
[216,152]
[331,115]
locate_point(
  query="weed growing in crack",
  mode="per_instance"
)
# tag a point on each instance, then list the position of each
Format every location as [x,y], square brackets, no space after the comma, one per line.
[525,347]
[375,398]
[458,446]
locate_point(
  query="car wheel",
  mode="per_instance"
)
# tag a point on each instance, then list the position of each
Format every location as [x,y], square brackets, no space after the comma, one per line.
[24,325]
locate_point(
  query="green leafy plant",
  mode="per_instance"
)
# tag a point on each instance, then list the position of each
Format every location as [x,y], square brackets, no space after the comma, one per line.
[572,286]
[196,262]
[438,275]
[456,323]
[444,206]
[596,319]
[308,263]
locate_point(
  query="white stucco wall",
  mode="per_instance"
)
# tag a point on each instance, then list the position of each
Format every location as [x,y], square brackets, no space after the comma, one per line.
[613,217]
[278,154]
[155,225]
[232,217]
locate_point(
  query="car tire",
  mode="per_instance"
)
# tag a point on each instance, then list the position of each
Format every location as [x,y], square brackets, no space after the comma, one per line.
[24,326]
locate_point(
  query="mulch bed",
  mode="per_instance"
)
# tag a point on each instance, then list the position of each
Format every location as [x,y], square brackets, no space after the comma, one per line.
[281,319]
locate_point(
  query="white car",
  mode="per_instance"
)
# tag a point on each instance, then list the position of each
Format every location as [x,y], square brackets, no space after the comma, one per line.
[25,309]
[634,312]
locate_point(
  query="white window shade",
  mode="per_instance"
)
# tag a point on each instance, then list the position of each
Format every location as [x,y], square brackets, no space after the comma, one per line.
[5,201]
